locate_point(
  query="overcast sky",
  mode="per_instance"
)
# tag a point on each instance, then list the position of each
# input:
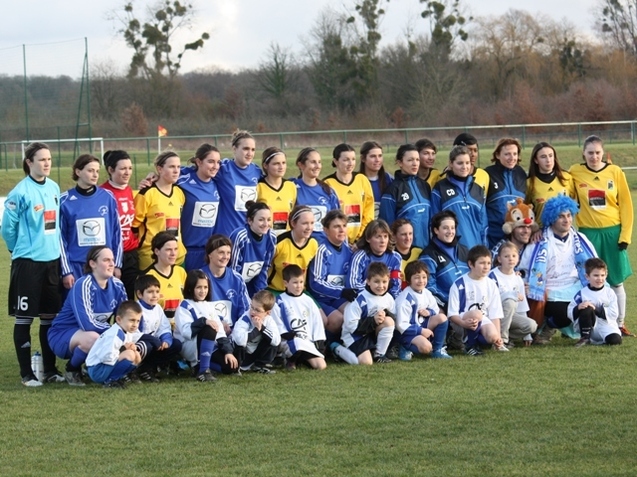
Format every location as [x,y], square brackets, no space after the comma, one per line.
[241,30]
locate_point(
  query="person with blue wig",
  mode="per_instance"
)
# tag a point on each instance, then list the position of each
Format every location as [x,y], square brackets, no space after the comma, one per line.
[553,268]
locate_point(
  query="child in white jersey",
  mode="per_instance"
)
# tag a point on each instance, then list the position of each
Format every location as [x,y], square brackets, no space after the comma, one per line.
[114,354]
[515,323]
[300,322]
[368,321]
[594,308]
[422,326]
[474,304]
[199,328]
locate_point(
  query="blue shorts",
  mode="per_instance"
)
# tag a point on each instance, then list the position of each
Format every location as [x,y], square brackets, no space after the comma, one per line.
[332,305]
[60,341]
[101,373]
[408,336]
[367,342]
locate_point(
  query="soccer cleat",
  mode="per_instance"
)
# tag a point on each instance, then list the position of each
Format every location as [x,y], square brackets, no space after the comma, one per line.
[290,365]
[264,370]
[236,374]
[148,377]
[404,354]
[509,344]
[333,347]
[206,376]
[502,347]
[583,342]
[132,378]
[381,359]
[393,352]
[440,354]
[74,378]
[546,333]
[31,382]
[473,351]
[625,331]
[53,377]
[119,384]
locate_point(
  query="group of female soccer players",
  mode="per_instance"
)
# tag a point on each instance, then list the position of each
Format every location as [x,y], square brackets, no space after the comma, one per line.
[243,225]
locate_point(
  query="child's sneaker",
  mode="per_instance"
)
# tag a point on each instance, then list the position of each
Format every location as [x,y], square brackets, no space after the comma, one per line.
[31,381]
[53,377]
[473,351]
[393,352]
[625,331]
[381,359]
[584,341]
[148,376]
[441,354]
[333,346]
[404,354]
[206,376]
[74,378]
[502,347]
[264,370]
[119,384]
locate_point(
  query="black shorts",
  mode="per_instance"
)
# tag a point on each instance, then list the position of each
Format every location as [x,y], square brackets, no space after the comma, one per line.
[34,288]
[367,342]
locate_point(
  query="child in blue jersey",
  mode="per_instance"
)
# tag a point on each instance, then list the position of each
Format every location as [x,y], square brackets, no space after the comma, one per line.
[457,191]
[86,312]
[114,355]
[369,320]
[409,196]
[300,322]
[154,323]
[237,183]
[371,156]
[200,212]
[229,292]
[422,327]
[375,246]
[31,230]
[198,326]
[311,191]
[329,269]
[88,217]
[256,335]
[253,247]
[475,305]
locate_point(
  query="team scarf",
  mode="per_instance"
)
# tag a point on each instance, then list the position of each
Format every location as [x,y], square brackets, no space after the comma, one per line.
[537,283]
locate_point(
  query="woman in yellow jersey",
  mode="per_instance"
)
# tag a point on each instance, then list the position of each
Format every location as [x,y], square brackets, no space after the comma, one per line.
[546,178]
[296,246]
[606,216]
[274,190]
[158,208]
[171,277]
[403,233]
[427,151]
[354,191]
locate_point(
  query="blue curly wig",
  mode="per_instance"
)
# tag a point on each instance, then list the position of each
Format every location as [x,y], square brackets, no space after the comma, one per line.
[555,206]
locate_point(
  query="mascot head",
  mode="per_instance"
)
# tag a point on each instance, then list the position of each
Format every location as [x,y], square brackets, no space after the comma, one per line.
[518,215]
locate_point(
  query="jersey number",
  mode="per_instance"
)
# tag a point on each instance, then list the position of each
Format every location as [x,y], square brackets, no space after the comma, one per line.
[23,303]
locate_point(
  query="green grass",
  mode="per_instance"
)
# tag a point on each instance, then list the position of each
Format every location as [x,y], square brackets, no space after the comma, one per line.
[550,411]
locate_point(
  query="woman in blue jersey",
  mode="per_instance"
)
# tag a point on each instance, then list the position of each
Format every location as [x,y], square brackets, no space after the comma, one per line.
[31,230]
[371,155]
[457,191]
[200,213]
[229,292]
[253,247]
[90,305]
[275,190]
[328,271]
[507,182]
[375,246]
[237,183]
[88,217]
[311,190]
[408,197]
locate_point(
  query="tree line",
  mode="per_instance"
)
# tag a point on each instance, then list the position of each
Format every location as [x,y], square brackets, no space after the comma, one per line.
[515,67]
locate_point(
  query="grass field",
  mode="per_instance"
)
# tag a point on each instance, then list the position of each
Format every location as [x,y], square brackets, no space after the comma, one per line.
[550,411]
